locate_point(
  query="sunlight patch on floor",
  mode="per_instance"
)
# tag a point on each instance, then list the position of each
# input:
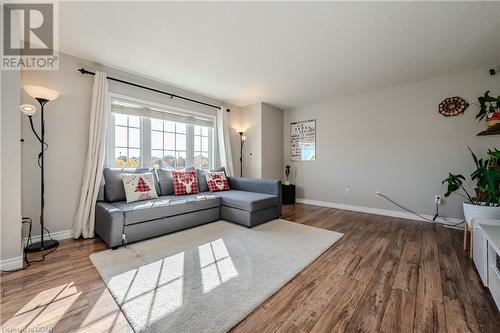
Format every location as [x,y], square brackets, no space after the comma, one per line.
[216,265]
[159,296]
[44,310]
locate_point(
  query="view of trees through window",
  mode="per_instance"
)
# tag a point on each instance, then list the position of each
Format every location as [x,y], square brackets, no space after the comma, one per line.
[141,141]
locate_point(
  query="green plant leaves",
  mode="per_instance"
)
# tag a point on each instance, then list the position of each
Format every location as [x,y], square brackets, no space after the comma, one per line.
[454,183]
[486,176]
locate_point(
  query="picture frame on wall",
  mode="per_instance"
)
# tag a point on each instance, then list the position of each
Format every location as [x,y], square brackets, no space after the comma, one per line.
[303,141]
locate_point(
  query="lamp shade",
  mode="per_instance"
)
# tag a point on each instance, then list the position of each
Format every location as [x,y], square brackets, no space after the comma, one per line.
[41,92]
[28,109]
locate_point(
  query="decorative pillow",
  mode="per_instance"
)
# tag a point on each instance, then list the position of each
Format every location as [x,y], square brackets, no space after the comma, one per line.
[185,182]
[217,181]
[113,182]
[139,186]
[165,180]
[202,181]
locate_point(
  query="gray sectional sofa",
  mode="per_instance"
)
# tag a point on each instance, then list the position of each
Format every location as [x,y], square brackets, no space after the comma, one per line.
[249,203]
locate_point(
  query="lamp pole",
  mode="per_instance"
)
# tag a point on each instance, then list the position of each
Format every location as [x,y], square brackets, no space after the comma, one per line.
[42,245]
[42,95]
[241,153]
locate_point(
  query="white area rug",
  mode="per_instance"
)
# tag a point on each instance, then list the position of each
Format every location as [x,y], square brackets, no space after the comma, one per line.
[209,278]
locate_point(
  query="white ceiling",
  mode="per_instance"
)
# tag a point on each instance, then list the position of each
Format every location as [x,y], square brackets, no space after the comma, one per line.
[286,54]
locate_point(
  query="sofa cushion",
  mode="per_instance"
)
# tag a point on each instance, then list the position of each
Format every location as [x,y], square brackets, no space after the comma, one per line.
[248,201]
[113,183]
[148,210]
[166,181]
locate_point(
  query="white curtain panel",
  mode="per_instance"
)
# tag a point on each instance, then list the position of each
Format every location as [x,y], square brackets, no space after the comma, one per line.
[83,224]
[224,141]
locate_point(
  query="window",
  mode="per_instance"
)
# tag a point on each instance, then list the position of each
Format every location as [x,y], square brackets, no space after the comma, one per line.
[143,136]
[168,144]
[201,151]
[127,141]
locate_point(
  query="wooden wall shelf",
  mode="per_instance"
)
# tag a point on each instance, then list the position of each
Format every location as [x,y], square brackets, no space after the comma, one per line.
[493,130]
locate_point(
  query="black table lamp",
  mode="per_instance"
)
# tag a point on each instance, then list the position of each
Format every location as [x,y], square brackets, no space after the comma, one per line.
[42,95]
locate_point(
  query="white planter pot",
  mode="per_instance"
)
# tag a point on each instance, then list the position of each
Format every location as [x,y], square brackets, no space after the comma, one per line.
[473,211]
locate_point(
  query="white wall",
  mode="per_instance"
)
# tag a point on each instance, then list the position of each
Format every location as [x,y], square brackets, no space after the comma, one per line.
[10,181]
[263,127]
[234,125]
[67,124]
[392,140]
[272,143]
[251,119]
[10,166]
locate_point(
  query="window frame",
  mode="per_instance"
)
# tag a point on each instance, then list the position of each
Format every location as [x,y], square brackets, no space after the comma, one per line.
[146,133]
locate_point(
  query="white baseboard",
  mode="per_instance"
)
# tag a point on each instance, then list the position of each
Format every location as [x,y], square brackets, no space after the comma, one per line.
[371,210]
[58,235]
[11,264]
[17,262]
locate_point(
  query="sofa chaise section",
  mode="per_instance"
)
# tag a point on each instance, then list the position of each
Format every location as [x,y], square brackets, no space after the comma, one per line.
[251,201]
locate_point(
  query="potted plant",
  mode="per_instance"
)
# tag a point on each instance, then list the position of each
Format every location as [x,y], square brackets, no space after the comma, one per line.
[489,108]
[486,202]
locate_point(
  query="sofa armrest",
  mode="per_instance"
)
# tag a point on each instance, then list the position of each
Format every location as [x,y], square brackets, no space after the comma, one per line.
[109,221]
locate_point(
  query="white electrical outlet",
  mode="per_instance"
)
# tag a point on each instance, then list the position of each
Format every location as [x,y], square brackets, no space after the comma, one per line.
[347,190]
[437,199]
[377,193]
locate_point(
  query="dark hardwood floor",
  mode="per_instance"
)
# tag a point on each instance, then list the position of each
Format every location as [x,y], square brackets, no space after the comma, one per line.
[385,275]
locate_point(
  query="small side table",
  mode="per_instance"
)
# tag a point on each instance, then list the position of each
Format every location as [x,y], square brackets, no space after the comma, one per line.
[288,194]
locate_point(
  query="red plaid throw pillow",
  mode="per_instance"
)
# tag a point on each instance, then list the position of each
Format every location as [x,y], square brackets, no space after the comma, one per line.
[217,181]
[185,182]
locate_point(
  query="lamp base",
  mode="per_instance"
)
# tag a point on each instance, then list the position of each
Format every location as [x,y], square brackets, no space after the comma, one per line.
[37,247]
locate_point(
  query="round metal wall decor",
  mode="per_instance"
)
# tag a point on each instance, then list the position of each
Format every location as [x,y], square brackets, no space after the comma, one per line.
[452,106]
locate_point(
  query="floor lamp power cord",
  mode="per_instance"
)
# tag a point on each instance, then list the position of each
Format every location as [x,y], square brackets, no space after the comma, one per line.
[29,222]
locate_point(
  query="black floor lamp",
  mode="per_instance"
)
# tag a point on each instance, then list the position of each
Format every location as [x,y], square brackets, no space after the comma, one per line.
[42,95]
[242,141]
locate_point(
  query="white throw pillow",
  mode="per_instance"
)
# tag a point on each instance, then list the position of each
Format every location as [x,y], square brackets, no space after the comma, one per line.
[139,186]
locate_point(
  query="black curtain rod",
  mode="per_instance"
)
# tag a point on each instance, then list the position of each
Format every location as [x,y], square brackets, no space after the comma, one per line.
[84,71]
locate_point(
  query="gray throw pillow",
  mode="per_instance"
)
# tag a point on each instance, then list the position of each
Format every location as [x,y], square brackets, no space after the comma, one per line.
[113,183]
[166,181]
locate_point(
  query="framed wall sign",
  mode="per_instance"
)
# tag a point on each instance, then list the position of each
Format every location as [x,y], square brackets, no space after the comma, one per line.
[303,140]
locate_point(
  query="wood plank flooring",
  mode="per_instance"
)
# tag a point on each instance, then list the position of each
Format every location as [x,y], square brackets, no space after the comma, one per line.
[384,275]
